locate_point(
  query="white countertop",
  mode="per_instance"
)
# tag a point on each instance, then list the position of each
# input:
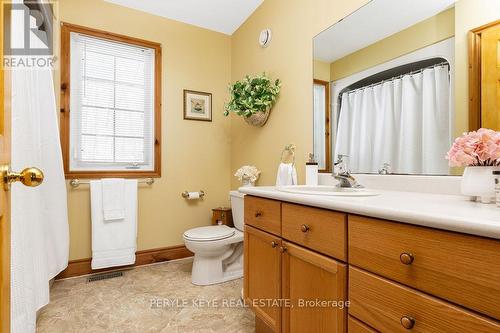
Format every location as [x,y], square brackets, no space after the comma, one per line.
[448,212]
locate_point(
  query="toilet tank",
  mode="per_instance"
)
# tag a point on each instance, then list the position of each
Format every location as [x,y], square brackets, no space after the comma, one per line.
[237,208]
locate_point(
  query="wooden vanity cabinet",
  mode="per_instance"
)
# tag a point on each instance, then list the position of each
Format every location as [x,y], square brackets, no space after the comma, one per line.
[397,277]
[262,272]
[356,326]
[314,285]
[318,229]
[463,269]
[391,307]
[263,214]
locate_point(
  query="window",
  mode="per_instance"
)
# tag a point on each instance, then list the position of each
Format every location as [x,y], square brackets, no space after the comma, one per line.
[111,106]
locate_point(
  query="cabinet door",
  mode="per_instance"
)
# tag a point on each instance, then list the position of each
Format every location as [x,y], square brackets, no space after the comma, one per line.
[316,287]
[262,276]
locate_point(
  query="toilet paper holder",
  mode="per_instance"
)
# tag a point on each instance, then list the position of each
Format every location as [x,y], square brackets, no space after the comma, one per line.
[185,194]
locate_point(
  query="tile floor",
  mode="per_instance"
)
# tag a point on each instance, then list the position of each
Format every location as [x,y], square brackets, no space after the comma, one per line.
[124,304]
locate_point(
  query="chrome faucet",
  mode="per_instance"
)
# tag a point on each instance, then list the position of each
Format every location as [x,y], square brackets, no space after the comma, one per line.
[346,180]
[386,169]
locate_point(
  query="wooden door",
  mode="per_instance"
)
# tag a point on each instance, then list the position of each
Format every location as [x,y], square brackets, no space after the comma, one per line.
[490,78]
[5,93]
[262,276]
[316,287]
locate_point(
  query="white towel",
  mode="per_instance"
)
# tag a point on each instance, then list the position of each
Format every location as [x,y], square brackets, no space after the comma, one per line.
[112,199]
[113,243]
[287,175]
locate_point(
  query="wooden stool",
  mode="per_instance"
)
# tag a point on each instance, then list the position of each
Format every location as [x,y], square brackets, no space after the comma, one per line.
[222,216]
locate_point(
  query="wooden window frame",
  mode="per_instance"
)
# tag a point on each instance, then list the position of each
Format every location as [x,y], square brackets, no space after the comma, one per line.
[475,75]
[326,84]
[66,30]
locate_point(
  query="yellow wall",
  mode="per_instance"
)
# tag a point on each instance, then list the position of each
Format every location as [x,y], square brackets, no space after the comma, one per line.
[202,155]
[288,57]
[321,70]
[195,154]
[422,34]
[470,14]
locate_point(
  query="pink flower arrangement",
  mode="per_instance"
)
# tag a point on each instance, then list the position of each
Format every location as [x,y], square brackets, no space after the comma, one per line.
[478,148]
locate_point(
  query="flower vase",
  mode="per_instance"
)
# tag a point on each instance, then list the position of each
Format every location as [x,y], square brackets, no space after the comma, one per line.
[478,181]
[247,182]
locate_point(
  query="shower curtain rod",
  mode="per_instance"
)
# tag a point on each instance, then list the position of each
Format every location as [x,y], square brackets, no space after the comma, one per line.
[444,63]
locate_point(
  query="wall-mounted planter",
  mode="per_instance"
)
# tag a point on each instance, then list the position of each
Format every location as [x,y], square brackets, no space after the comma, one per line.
[253,98]
[258,119]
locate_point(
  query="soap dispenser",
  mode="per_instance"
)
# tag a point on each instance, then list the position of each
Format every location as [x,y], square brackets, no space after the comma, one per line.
[311,171]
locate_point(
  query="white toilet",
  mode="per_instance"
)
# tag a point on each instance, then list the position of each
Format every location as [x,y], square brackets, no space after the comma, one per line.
[218,250]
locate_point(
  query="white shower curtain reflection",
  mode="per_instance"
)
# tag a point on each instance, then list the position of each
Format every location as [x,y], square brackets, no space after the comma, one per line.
[40,235]
[404,122]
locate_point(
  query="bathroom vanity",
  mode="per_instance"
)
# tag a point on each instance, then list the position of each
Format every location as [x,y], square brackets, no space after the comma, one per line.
[389,96]
[396,262]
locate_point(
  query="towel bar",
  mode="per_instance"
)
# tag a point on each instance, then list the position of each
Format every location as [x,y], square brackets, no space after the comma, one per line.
[289,150]
[77,182]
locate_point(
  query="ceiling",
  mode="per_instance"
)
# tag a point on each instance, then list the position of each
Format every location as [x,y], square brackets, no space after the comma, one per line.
[375,21]
[224,16]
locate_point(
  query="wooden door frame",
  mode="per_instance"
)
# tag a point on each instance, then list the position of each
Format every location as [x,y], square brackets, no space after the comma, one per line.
[326,84]
[475,75]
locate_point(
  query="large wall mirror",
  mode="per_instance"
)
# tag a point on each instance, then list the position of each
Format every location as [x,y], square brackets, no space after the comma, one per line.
[394,83]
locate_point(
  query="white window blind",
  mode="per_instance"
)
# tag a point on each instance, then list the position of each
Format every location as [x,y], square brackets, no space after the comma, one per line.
[112,105]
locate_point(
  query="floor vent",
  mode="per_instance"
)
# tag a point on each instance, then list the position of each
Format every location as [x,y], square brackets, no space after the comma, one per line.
[104,276]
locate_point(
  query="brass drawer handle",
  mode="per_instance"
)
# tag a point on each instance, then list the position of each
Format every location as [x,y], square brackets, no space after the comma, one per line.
[406,258]
[274,244]
[283,249]
[305,228]
[258,214]
[407,322]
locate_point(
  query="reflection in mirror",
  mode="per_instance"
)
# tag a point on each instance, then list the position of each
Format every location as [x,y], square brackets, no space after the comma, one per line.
[484,76]
[393,68]
[321,139]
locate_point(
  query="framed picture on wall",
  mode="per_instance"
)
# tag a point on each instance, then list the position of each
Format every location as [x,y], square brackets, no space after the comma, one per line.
[197,105]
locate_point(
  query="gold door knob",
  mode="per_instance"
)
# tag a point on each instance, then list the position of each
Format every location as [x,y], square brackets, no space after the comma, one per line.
[407,322]
[30,176]
[304,228]
[274,244]
[283,249]
[406,258]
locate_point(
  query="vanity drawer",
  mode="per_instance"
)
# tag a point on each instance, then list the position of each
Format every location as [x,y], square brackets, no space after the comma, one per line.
[355,326]
[264,214]
[318,229]
[461,268]
[391,307]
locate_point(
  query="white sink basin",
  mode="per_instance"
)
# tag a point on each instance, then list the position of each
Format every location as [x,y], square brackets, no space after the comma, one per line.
[327,191]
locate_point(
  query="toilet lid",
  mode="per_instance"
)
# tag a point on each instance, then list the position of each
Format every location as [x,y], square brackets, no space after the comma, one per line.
[209,233]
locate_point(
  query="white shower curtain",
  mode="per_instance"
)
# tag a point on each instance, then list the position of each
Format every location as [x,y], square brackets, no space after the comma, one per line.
[40,235]
[404,122]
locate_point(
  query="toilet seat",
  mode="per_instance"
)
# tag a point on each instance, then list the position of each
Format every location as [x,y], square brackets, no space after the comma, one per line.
[210,233]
